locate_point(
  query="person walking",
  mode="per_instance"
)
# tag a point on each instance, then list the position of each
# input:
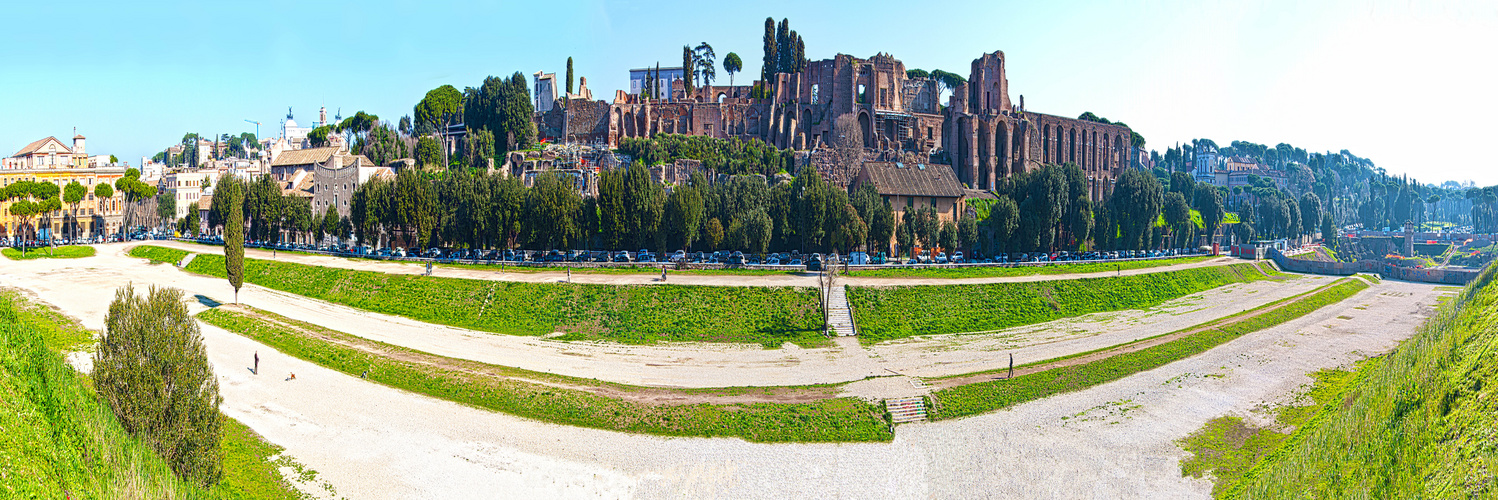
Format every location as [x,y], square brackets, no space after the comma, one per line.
[257,362]
[663,274]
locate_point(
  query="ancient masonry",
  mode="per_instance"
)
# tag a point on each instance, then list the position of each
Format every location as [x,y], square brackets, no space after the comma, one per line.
[980,133]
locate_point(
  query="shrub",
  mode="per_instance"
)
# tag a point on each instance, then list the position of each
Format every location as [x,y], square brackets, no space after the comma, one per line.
[153,371]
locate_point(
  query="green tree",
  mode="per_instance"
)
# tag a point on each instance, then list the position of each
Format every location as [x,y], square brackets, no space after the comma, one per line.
[569,75]
[967,232]
[713,233]
[1003,220]
[948,238]
[441,107]
[551,210]
[428,153]
[688,68]
[732,64]
[706,63]
[1134,206]
[770,63]
[1209,204]
[811,205]
[318,137]
[1328,230]
[231,192]
[1177,216]
[152,369]
[73,194]
[684,214]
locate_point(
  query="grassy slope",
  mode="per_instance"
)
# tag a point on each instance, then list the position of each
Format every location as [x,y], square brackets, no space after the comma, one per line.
[994,271]
[840,419]
[885,313]
[159,254]
[629,314]
[60,438]
[63,252]
[983,397]
[1423,423]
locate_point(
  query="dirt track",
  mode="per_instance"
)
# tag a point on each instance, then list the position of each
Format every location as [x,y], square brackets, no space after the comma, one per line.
[1114,440]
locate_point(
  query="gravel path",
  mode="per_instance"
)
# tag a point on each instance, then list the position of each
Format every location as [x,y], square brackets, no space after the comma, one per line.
[1115,440]
[676,365]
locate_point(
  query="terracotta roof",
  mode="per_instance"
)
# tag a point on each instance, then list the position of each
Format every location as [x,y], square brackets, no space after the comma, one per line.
[31,148]
[205,202]
[893,178]
[304,156]
[302,189]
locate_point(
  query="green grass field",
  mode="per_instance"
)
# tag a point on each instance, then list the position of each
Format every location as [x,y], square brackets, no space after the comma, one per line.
[633,314]
[1000,272]
[1420,424]
[159,254]
[885,313]
[829,420]
[63,252]
[982,397]
[59,440]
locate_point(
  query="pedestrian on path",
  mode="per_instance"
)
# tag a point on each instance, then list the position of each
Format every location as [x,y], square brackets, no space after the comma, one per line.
[257,362]
[663,274]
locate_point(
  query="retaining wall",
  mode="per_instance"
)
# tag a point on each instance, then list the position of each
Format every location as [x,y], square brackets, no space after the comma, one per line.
[1444,276]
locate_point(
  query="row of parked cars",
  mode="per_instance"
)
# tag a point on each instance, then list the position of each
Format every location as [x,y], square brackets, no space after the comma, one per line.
[811,261]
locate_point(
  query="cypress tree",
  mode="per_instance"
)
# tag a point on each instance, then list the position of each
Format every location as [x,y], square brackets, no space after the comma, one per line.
[687,65]
[783,48]
[232,190]
[569,75]
[769,65]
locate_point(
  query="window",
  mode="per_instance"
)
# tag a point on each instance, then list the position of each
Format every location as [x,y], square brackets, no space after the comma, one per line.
[909,201]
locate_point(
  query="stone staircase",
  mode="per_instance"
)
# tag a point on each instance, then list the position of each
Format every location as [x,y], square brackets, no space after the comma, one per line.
[839,317]
[902,410]
[186,260]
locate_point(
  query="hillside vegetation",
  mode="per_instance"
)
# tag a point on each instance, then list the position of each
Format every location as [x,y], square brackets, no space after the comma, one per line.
[1420,424]
[885,313]
[636,314]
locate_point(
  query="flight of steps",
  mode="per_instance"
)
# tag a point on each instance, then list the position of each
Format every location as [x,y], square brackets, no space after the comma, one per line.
[839,318]
[902,410]
[186,260]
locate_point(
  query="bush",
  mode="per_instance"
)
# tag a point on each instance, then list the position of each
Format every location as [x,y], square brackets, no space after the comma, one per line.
[885,313]
[1027,270]
[153,371]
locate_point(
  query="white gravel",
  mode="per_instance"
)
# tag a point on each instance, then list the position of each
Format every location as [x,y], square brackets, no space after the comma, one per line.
[370,441]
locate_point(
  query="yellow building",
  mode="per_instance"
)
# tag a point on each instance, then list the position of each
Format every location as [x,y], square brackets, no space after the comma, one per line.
[49,160]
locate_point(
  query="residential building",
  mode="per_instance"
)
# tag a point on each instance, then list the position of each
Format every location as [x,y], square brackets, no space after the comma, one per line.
[637,78]
[186,188]
[907,187]
[545,90]
[50,160]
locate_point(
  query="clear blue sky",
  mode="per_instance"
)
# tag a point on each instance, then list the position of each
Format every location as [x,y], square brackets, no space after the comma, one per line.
[1405,83]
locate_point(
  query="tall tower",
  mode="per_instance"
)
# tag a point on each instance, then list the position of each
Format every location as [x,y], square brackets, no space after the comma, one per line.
[322,116]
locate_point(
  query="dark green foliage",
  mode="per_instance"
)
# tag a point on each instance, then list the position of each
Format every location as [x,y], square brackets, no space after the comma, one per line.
[973,399]
[231,193]
[732,64]
[153,370]
[725,156]
[441,106]
[629,314]
[885,313]
[1135,204]
[503,107]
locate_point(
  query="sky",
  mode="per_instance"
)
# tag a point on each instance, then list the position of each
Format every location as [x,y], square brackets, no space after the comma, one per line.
[1407,84]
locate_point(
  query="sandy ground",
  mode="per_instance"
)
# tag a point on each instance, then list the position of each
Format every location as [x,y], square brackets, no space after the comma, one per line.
[689,364]
[498,274]
[1115,440]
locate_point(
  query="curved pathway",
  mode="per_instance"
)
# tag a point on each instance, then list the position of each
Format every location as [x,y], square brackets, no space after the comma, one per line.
[1115,440]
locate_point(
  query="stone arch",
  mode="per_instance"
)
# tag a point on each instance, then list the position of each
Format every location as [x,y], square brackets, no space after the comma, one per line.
[1017,145]
[806,123]
[1001,155]
[1045,144]
[629,124]
[1118,147]
[721,97]
[1071,142]
[865,126]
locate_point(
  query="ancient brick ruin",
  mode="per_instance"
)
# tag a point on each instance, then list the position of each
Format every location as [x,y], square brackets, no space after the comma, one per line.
[981,134]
